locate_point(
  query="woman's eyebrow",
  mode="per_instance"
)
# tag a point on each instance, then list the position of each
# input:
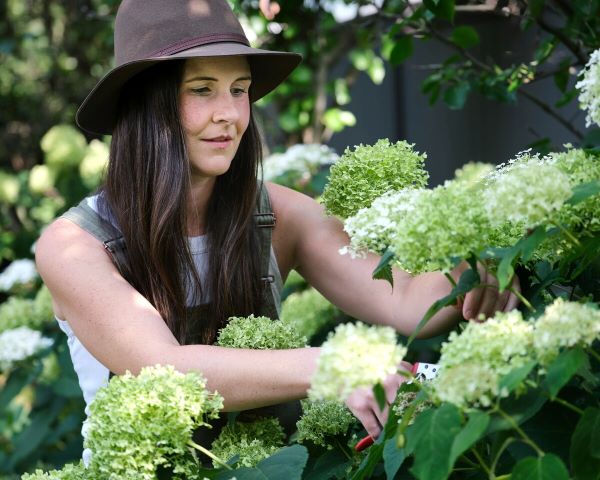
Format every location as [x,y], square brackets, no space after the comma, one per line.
[212,79]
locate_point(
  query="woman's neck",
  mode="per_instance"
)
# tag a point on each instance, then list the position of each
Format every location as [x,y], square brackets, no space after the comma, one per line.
[200,192]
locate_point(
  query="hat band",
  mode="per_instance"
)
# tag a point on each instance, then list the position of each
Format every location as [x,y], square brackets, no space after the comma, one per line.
[199,41]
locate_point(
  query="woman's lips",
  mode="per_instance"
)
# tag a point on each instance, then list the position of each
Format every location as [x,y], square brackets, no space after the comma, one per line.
[218,142]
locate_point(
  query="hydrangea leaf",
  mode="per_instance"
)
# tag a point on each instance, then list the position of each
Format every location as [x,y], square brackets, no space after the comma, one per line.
[520,408]
[467,282]
[383,271]
[470,433]
[370,462]
[585,445]
[379,393]
[562,369]
[332,464]
[584,191]
[393,458]
[548,467]
[288,463]
[515,377]
[435,432]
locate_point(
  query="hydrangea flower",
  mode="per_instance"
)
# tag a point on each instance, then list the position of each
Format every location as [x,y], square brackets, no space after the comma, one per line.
[70,471]
[369,171]
[589,89]
[20,343]
[18,312]
[467,385]
[322,420]
[18,272]
[528,190]
[473,362]
[564,324]
[307,312]
[252,441]
[138,423]
[442,224]
[259,333]
[302,160]
[473,172]
[354,355]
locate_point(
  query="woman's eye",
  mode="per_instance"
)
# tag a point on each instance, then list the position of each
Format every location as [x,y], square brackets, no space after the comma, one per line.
[201,90]
[238,91]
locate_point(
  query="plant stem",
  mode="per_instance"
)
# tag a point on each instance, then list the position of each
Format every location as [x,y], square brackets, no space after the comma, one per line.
[569,405]
[342,449]
[568,234]
[518,429]
[481,462]
[594,353]
[499,453]
[208,453]
[523,300]
[450,279]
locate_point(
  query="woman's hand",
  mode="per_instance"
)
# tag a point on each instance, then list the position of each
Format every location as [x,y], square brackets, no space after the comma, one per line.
[363,404]
[486,299]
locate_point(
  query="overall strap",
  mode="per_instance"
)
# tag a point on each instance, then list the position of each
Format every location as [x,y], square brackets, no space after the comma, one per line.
[270,275]
[88,219]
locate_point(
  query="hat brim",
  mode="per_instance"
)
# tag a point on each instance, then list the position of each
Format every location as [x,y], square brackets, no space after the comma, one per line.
[98,112]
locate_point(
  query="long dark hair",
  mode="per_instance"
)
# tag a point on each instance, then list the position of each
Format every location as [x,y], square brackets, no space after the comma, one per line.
[146,189]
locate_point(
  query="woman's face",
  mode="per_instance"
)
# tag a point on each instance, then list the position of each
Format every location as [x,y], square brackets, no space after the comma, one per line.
[215,111]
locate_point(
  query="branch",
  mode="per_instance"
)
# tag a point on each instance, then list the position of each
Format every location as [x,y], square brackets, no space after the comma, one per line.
[563,38]
[550,111]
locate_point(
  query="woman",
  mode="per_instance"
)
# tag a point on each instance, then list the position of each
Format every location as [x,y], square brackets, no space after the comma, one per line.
[188,228]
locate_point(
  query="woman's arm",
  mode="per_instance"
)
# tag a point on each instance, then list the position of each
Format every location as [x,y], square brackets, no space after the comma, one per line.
[125,332]
[348,282]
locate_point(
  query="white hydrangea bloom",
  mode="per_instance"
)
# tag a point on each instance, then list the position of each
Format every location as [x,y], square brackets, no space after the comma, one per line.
[304,159]
[482,353]
[355,355]
[19,271]
[20,343]
[467,385]
[527,190]
[564,324]
[372,228]
[589,88]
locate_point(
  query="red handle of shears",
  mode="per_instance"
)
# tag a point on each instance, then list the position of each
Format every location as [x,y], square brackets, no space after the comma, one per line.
[369,440]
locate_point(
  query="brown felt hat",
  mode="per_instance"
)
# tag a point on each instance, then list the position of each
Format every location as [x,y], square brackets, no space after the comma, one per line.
[151,31]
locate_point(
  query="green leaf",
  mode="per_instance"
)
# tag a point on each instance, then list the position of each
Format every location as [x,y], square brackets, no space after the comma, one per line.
[515,377]
[336,119]
[331,464]
[465,37]
[393,457]
[520,408]
[383,271]
[562,369]
[368,465]
[585,446]
[471,432]
[548,467]
[456,95]
[529,243]
[379,393]
[467,282]
[433,434]
[584,191]
[288,463]
[402,49]
[14,384]
[443,9]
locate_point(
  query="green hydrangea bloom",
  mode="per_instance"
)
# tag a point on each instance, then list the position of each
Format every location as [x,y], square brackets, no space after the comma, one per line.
[367,172]
[259,333]
[564,324]
[354,355]
[70,471]
[22,312]
[473,361]
[252,441]
[589,89]
[63,146]
[307,312]
[436,226]
[528,190]
[473,173]
[405,400]
[323,420]
[138,423]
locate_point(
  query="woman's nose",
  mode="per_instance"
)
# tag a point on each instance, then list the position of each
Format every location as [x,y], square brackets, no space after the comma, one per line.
[225,109]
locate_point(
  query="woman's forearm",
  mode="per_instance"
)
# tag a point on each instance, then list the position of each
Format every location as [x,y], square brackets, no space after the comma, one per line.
[248,378]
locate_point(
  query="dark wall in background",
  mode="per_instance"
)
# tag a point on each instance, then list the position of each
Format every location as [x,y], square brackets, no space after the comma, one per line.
[484,130]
